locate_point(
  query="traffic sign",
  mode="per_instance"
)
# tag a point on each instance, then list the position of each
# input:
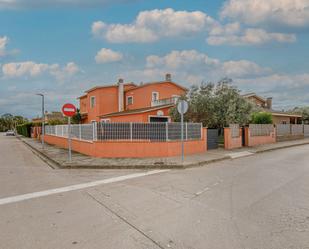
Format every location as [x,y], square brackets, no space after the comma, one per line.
[69,110]
[182,106]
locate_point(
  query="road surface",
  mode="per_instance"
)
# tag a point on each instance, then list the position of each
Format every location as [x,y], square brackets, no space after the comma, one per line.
[255,202]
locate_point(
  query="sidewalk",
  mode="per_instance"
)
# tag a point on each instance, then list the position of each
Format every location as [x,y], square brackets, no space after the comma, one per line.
[58,158]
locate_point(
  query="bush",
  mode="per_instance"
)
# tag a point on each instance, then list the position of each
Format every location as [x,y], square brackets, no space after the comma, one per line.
[24,129]
[261,118]
[56,122]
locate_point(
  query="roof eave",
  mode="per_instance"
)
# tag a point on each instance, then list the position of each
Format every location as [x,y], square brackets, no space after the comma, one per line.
[135,112]
[158,82]
[286,115]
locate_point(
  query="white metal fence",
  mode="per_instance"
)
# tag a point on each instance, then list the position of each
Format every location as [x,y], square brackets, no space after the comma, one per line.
[306,130]
[292,130]
[297,129]
[283,129]
[128,131]
[261,129]
[79,131]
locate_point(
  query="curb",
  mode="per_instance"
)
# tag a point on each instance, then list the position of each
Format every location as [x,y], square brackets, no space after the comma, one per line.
[282,147]
[152,166]
[56,165]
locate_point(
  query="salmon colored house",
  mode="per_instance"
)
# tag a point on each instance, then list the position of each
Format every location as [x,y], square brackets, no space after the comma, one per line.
[128,102]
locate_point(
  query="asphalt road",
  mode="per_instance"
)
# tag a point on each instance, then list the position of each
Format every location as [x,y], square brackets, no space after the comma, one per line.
[255,202]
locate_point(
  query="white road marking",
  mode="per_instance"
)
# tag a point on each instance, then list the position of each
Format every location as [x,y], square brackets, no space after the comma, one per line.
[240,154]
[33,195]
[202,191]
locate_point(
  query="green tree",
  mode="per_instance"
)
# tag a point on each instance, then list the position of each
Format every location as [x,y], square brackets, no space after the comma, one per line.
[9,122]
[261,118]
[304,111]
[77,118]
[216,106]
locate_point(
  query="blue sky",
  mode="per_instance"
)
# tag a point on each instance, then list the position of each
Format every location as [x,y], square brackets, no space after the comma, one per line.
[64,47]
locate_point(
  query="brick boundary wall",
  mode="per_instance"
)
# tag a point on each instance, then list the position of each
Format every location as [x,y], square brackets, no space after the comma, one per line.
[131,149]
[259,140]
[36,131]
[232,142]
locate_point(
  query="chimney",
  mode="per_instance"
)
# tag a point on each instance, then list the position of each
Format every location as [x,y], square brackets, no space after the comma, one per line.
[269,103]
[168,77]
[120,95]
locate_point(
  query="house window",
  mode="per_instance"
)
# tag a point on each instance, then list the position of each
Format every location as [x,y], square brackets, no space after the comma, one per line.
[105,120]
[92,101]
[130,100]
[155,96]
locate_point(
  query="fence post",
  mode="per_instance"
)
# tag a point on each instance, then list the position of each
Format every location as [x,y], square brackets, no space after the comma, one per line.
[80,132]
[166,131]
[131,131]
[94,131]
[291,130]
[186,131]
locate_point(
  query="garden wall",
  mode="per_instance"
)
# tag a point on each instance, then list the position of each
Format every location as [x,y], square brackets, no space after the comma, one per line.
[232,141]
[133,149]
[260,134]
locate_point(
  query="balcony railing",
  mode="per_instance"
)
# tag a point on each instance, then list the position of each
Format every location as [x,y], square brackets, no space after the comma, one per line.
[167,101]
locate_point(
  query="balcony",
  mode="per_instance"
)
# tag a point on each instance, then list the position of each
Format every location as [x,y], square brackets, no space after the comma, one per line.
[167,101]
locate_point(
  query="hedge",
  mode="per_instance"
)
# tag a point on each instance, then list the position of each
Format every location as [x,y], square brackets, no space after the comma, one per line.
[24,129]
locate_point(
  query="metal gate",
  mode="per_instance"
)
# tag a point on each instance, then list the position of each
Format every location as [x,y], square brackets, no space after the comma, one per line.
[212,139]
[243,133]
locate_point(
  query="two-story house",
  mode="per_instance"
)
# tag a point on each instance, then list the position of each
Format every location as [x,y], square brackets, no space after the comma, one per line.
[128,102]
[279,117]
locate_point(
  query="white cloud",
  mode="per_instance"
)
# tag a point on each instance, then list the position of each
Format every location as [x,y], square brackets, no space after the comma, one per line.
[199,64]
[65,72]
[150,26]
[97,28]
[71,68]
[153,25]
[288,90]
[279,80]
[16,4]
[3,43]
[181,59]
[23,68]
[106,55]
[250,36]
[32,69]
[288,13]
[243,68]
[191,67]
[228,29]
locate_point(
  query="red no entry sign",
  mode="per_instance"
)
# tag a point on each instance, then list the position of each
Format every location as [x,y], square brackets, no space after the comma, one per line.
[69,110]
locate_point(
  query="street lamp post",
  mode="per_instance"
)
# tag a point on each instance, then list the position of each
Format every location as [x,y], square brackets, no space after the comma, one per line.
[43,118]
